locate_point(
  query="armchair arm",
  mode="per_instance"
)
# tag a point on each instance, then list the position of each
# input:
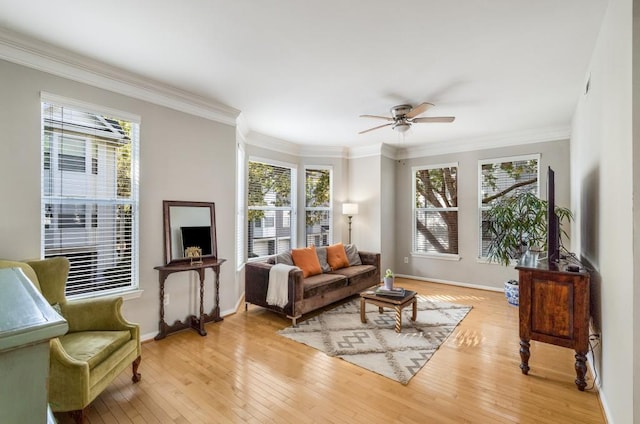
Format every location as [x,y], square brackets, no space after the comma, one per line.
[256,282]
[97,314]
[66,375]
[370,258]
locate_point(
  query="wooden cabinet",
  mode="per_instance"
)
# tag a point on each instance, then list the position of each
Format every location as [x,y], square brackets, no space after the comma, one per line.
[554,308]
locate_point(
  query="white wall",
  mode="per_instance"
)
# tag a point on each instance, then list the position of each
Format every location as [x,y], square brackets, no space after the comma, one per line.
[388,206]
[468,270]
[364,189]
[602,196]
[182,157]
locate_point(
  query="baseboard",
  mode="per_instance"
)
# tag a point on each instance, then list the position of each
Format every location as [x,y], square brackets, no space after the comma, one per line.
[149,336]
[452,283]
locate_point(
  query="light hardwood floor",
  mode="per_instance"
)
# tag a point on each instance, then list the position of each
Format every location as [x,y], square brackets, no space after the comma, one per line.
[242,371]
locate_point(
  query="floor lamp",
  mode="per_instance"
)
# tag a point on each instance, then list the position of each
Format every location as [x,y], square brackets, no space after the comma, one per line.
[350,209]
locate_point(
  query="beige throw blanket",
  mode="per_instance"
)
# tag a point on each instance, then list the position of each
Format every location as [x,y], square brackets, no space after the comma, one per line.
[278,290]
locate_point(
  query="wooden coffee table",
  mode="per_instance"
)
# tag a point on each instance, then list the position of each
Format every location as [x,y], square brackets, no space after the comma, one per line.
[396,303]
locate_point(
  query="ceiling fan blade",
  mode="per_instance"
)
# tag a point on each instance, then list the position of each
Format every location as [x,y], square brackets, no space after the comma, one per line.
[375,128]
[386,118]
[434,119]
[421,108]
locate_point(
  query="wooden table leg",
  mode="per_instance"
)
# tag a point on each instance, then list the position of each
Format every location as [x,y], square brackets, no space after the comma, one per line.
[524,356]
[581,370]
[414,314]
[162,325]
[363,317]
[198,323]
[398,319]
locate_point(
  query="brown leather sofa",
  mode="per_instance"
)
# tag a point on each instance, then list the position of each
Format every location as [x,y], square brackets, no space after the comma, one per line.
[311,293]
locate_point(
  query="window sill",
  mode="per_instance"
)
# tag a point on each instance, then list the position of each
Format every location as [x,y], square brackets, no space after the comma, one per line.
[484,260]
[440,256]
[125,295]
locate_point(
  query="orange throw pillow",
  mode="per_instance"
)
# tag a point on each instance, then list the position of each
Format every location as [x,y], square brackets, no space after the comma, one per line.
[307,260]
[337,256]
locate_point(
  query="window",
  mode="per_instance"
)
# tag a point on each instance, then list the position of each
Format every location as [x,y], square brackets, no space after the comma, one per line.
[270,204]
[499,178]
[72,155]
[90,206]
[318,214]
[435,209]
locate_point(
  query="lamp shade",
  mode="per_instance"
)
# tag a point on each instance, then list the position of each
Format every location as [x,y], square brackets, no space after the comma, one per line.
[350,209]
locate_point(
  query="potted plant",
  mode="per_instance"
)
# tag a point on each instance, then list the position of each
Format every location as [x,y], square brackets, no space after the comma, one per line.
[388,279]
[518,224]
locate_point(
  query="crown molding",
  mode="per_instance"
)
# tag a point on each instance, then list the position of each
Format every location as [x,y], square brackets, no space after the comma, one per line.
[389,151]
[63,63]
[317,151]
[264,141]
[486,142]
[365,151]
[324,151]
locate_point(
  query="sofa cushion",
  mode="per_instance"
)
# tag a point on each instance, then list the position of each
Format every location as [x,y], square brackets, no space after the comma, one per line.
[307,260]
[336,256]
[355,273]
[352,254]
[94,346]
[322,283]
[282,258]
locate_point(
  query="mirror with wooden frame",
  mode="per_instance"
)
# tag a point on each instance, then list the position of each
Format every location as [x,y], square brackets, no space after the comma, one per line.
[188,225]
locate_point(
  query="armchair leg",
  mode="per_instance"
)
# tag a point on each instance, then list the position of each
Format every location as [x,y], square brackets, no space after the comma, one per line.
[78,416]
[134,366]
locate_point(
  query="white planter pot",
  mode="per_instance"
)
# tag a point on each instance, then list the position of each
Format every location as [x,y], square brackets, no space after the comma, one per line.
[388,283]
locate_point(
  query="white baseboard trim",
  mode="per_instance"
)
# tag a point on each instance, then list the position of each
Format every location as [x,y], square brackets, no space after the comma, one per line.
[452,283]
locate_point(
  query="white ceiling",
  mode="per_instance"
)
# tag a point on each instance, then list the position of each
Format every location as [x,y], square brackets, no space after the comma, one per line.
[303,71]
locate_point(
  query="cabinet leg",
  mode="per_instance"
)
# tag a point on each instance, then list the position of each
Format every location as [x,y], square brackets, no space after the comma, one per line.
[524,356]
[581,370]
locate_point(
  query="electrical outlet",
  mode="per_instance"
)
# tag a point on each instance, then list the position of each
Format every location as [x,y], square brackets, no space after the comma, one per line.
[166,299]
[406,260]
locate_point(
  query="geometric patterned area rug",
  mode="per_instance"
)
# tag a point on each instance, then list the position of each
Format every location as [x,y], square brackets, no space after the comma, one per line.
[375,345]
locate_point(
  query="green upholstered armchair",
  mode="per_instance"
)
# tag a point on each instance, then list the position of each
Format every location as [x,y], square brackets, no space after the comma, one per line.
[100,343]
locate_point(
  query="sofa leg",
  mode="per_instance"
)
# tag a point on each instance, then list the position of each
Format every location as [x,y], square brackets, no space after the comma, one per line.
[294,320]
[134,366]
[78,416]
[246,306]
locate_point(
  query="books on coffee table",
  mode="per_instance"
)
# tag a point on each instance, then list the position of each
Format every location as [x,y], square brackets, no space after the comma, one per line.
[395,292]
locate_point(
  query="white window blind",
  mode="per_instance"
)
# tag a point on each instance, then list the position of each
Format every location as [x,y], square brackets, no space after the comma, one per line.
[504,177]
[318,213]
[90,195]
[270,208]
[435,209]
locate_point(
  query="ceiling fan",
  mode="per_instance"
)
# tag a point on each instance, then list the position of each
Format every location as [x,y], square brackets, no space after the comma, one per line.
[403,116]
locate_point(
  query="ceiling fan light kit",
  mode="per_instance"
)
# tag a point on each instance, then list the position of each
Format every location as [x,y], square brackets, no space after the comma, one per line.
[402,126]
[403,116]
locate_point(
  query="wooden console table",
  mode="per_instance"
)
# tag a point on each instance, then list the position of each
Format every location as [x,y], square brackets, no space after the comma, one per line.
[192,321]
[554,308]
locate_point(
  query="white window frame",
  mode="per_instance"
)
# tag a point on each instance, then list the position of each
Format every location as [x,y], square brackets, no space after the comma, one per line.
[414,210]
[294,202]
[241,206]
[482,208]
[131,290]
[324,208]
